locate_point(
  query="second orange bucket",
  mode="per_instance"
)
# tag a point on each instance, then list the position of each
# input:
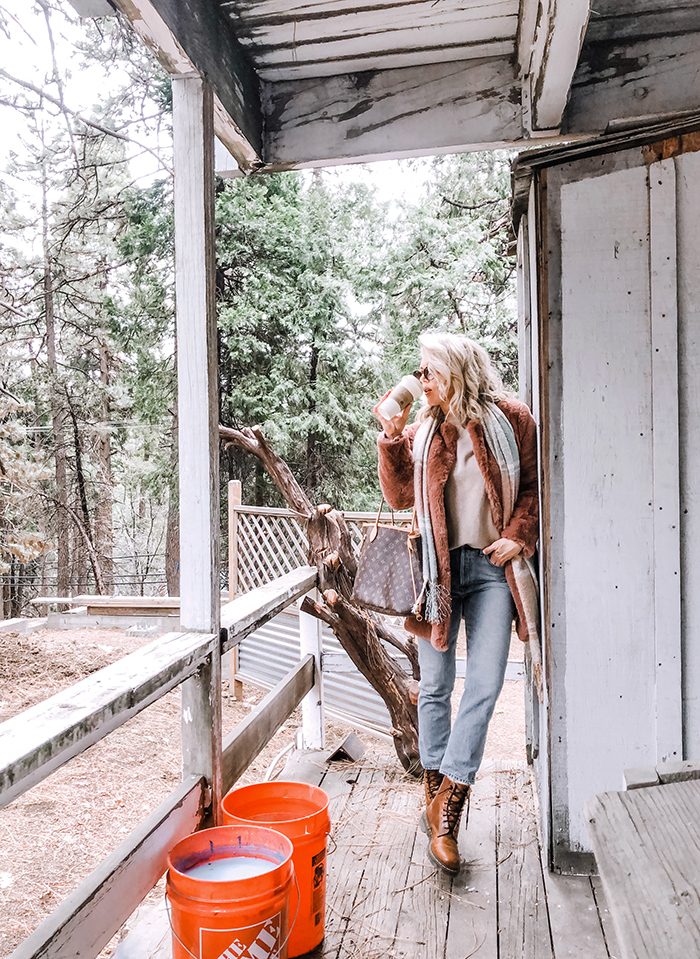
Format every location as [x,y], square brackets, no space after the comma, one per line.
[299,812]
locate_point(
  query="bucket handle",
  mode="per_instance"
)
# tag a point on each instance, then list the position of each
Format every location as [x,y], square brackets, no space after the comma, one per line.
[276,955]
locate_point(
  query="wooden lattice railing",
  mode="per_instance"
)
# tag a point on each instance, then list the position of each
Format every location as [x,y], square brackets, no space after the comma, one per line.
[271,542]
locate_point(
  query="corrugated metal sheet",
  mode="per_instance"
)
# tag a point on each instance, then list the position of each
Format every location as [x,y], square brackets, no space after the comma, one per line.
[325,37]
[271,651]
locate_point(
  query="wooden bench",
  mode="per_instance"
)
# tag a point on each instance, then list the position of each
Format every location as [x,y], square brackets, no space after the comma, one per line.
[116,605]
[647,844]
[119,605]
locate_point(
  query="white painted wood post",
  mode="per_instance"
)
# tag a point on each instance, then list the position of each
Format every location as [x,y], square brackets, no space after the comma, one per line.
[200,601]
[313,734]
[229,666]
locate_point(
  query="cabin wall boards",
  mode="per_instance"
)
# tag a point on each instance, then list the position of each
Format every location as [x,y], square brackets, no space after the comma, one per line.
[688,226]
[618,392]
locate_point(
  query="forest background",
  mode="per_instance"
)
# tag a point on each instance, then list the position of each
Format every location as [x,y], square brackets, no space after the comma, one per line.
[323,285]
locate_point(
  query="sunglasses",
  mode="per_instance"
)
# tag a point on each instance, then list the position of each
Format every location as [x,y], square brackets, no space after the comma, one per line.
[425,373]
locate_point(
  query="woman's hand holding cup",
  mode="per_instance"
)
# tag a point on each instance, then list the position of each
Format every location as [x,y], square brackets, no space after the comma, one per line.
[395,426]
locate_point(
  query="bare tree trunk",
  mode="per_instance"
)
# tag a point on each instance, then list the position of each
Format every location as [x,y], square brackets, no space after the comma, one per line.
[104,529]
[13,588]
[359,631]
[83,553]
[313,463]
[359,635]
[78,566]
[82,519]
[80,472]
[20,574]
[58,415]
[3,576]
[259,485]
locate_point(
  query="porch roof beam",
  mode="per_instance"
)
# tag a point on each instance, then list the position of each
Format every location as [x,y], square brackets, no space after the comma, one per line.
[408,111]
[191,37]
[550,38]
[635,84]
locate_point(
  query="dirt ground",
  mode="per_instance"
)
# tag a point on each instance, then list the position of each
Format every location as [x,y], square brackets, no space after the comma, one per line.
[55,834]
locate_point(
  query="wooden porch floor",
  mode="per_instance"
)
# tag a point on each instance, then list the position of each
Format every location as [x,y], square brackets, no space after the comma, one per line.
[385,898]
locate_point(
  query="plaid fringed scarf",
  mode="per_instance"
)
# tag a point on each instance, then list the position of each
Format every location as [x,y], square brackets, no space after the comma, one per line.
[433,604]
[500,439]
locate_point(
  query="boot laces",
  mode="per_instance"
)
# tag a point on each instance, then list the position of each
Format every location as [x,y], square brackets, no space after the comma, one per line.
[452,808]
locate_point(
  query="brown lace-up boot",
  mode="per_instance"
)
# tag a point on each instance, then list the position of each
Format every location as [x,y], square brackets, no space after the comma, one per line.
[443,815]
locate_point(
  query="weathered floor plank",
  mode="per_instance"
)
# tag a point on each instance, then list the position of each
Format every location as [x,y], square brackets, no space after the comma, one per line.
[149,934]
[354,828]
[577,932]
[376,909]
[605,918]
[424,903]
[473,926]
[523,923]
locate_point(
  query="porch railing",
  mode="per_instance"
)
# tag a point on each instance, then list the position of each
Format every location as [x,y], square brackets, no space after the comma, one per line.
[39,740]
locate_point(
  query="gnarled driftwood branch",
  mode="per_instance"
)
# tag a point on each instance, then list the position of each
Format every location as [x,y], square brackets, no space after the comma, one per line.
[359,631]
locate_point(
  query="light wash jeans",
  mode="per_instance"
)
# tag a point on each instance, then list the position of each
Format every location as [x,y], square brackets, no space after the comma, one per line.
[482,596]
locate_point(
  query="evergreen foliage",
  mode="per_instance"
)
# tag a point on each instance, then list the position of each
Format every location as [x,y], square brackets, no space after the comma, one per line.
[293,346]
[448,266]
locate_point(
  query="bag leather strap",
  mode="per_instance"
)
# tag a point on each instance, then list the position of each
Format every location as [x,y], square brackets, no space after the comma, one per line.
[373,533]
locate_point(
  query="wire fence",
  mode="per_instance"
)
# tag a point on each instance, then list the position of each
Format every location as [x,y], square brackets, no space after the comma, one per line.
[129,575]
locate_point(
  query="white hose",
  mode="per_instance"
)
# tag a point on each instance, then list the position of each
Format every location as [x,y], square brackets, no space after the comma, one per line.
[275,761]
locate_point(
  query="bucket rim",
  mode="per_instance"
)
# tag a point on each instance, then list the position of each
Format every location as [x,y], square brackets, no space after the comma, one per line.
[216,836]
[240,791]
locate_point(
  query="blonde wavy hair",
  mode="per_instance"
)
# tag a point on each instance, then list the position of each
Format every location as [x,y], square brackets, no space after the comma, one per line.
[465,376]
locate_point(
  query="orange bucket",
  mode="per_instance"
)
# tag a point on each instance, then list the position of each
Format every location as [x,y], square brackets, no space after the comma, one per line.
[300,812]
[222,905]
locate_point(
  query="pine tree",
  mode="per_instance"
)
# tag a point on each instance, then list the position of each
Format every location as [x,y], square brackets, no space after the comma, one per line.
[449,265]
[295,357]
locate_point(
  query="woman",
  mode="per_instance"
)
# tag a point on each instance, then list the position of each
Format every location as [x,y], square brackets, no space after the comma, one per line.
[469,464]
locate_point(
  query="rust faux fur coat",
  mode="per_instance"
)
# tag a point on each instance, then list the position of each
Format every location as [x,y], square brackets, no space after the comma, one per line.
[396,480]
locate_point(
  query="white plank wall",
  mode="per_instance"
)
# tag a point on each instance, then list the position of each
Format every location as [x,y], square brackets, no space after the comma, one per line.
[664,399]
[688,194]
[607,526]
